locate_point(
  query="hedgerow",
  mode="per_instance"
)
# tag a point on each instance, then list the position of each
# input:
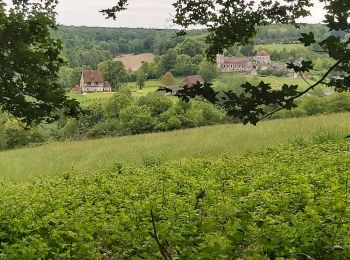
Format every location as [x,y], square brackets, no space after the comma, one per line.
[286,202]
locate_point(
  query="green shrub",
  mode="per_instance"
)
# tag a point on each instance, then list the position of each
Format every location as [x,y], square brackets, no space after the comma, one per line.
[109,127]
[313,105]
[136,120]
[339,102]
[116,103]
[157,103]
[70,129]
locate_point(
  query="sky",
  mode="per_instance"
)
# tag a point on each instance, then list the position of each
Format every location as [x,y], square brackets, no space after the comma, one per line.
[141,13]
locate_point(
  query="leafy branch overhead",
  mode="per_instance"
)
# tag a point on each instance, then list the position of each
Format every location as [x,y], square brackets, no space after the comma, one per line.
[29,63]
[236,22]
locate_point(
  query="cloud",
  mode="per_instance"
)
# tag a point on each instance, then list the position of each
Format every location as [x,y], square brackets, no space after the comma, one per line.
[141,13]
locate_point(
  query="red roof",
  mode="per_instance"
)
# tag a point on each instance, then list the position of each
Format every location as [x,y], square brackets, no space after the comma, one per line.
[262,53]
[236,60]
[92,76]
[193,79]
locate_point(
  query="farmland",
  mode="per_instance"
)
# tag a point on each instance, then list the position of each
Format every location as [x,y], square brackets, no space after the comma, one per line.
[85,156]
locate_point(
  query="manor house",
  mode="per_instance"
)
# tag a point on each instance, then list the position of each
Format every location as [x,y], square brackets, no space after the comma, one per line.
[262,60]
[92,81]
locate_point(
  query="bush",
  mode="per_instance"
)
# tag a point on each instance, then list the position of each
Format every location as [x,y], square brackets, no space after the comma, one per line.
[157,103]
[70,129]
[339,102]
[116,103]
[136,120]
[110,126]
[313,105]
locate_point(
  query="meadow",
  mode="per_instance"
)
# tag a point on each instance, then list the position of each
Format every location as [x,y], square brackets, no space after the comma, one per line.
[230,79]
[279,47]
[99,98]
[85,156]
[152,85]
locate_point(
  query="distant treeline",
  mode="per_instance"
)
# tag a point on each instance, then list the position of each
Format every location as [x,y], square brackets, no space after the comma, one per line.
[90,45]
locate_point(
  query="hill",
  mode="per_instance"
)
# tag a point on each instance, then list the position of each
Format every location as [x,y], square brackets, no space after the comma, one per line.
[58,158]
[135,61]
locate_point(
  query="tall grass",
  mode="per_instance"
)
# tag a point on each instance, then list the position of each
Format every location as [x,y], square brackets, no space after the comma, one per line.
[57,158]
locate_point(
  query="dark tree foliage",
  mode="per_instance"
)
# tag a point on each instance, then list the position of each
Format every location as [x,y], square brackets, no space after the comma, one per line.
[29,63]
[237,21]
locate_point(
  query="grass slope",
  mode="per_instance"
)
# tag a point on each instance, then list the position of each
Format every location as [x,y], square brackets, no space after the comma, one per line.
[280,47]
[56,158]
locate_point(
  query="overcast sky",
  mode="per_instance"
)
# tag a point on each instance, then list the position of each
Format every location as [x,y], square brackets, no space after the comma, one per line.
[141,13]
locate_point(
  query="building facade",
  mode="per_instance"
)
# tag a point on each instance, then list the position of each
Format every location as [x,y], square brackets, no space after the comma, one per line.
[92,81]
[262,60]
[233,63]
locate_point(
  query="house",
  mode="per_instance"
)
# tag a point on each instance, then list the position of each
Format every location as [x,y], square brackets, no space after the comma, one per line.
[192,80]
[92,81]
[233,63]
[262,59]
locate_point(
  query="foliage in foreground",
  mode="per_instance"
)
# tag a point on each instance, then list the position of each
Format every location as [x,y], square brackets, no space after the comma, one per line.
[290,201]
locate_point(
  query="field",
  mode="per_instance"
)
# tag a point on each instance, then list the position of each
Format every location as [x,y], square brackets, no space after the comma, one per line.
[280,47]
[287,202]
[276,82]
[99,98]
[58,158]
[134,62]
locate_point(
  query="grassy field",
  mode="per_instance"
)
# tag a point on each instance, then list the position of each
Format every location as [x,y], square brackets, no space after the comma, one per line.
[276,82]
[93,98]
[279,47]
[56,158]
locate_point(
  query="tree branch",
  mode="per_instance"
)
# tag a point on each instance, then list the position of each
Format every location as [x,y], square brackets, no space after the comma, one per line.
[163,249]
[305,91]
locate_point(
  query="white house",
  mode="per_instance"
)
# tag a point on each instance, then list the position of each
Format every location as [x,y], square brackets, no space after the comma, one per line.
[92,81]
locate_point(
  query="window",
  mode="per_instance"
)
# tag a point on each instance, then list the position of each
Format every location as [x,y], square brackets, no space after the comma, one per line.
[89,83]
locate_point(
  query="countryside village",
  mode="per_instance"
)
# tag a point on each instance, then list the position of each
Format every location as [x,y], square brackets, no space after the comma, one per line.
[93,80]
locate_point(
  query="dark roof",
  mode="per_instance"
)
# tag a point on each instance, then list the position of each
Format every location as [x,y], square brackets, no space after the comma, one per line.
[192,80]
[169,89]
[92,76]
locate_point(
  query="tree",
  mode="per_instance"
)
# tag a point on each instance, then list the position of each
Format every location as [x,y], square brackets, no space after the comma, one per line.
[167,62]
[247,50]
[114,72]
[236,22]
[141,79]
[116,103]
[191,47]
[29,63]
[168,79]
[69,77]
[184,66]
[208,71]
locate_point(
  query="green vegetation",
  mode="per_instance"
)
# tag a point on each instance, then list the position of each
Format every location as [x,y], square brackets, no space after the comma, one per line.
[279,47]
[57,158]
[285,202]
[234,81]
